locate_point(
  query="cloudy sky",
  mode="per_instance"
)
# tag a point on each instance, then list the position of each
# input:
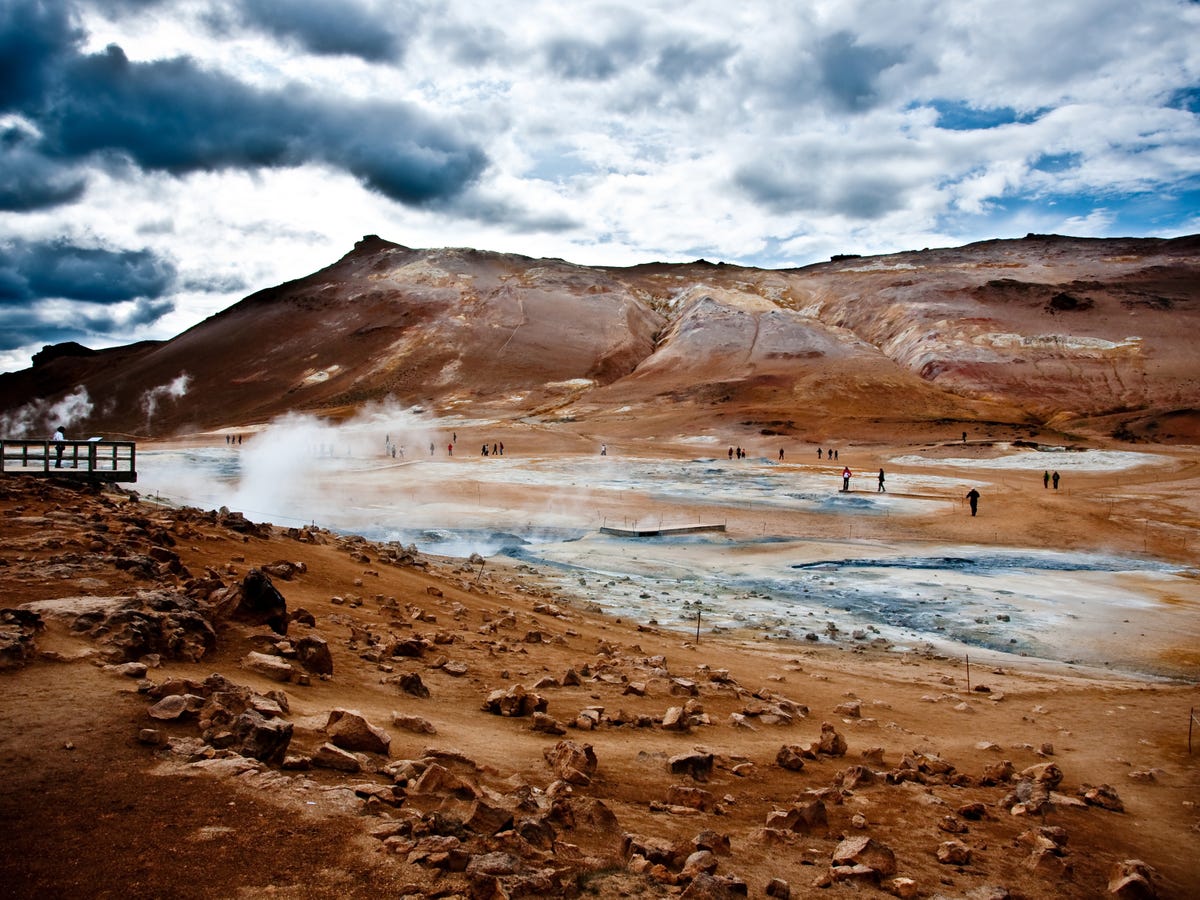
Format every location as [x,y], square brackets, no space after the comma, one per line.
[161,159]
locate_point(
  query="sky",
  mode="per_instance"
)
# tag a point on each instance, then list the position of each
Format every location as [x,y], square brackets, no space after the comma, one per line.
[162,159]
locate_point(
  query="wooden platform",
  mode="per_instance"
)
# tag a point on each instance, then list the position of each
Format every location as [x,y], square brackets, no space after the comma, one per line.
[658,532]
[95,460]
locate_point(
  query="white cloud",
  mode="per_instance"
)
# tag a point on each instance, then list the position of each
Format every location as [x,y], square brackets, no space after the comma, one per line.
[768,133]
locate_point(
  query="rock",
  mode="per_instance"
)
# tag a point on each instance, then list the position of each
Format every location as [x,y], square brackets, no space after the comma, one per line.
[700,861]
[414,724]
[789,757]
[997,773]
[698,765]
[571,762]
[261,603]
[831,743]
[1131,879]
[803,816]
[496,863]
[675,719]
[692,797]
[857,776]
[330,757]
[411,683]
[487,818]
[547,724]
[312,652]
[514,702]
[779,889]
[350,730]
[261,738]
[1104,796]
[877,857]
[169,708]
[904,888]
[851,709]
[1048,774]
[271,666]
[954,853]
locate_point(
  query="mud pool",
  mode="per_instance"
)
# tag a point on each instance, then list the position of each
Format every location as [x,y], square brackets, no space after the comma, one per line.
[1086,609]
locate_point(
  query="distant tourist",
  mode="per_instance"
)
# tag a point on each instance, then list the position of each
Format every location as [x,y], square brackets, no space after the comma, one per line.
[964,437]
[818,453]
[1054,478]
[1046,479]
[781,454]
[731,453]
[882,489]
[846,479]
[450,449]
[604,449]
[835,454]
[59,439]
[973,499]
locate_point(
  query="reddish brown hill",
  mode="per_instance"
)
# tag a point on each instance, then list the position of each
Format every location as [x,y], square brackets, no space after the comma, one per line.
[1043,332]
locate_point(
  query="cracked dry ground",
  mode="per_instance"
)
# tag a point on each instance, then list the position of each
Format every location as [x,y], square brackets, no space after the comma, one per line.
[712,773]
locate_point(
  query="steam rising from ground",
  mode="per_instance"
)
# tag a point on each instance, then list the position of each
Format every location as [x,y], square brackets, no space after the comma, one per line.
[40,418]
[172,390]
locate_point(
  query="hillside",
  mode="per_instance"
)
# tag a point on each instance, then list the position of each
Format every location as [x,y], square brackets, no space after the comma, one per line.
[1051,335]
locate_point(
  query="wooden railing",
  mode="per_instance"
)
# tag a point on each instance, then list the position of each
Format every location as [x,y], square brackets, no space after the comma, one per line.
[96,460]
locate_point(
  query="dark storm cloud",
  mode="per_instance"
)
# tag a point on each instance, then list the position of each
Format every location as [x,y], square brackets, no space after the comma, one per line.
[35,39]
[175,116]
[28,180]
[57,269]
[333,27]
[849,72]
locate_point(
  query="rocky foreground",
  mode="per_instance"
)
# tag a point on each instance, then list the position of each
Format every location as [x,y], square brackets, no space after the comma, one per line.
[193,704]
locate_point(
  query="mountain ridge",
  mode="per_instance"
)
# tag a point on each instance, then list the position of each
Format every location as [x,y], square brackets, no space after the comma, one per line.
[1084,335]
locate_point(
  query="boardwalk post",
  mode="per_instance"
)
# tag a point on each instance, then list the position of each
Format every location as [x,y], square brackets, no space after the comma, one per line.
[698,641]
[967,657]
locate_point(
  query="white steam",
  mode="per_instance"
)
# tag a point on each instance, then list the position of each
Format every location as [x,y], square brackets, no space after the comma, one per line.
[172,390]
[40,417]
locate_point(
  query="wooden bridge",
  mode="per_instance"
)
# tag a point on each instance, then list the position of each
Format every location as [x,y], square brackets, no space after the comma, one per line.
[92,460]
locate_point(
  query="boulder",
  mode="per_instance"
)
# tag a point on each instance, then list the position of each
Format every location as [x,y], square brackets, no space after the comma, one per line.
[261,603]
[330,757]
[350,730]
[271,666]
[571,762]
[954,853]
[790,757]
[312,652]
[803,816]
[1131,879]
[261,738]
[868,852]
[413,723]
[831,743]
[698,765]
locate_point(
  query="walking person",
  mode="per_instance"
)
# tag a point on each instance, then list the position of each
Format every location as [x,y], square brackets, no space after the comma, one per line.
[973,499]
[882,489]
[1054,478]
[846,473]
[1046,479]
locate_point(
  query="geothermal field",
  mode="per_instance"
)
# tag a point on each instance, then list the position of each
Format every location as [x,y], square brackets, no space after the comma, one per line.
[1073,574]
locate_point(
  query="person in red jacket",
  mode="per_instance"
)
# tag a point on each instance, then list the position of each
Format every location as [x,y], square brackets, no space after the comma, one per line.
[846,479]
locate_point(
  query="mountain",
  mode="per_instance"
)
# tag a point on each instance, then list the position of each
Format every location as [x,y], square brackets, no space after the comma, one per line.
[1038,336]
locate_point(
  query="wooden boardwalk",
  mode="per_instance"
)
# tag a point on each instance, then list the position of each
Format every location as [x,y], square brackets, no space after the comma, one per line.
[94,460]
